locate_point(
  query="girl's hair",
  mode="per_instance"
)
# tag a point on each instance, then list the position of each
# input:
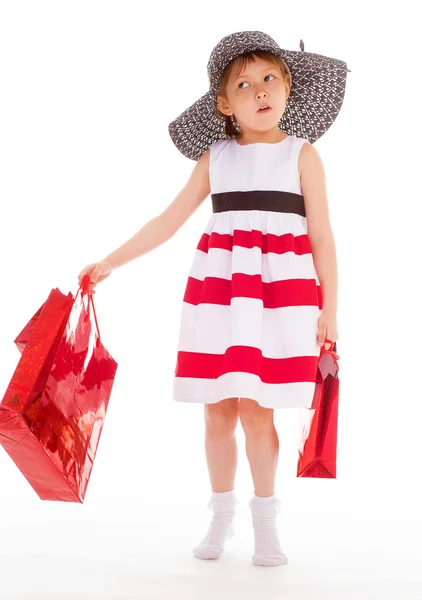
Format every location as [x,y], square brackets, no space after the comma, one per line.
[241,60]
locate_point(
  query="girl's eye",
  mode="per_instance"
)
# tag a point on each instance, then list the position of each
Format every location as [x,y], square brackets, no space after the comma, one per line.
[264,78]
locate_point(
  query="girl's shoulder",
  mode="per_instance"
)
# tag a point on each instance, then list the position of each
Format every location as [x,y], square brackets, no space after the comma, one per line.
[215,146]
[220,143]
[219,146]
[299,140]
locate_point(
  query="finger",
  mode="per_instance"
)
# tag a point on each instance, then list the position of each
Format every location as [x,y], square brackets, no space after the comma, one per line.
[320,339]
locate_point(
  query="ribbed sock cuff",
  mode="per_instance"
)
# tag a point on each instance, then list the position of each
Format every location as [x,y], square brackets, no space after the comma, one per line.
[264,499]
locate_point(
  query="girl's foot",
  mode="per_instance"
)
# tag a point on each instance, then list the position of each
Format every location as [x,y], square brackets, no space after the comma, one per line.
[223,505]
[268,551]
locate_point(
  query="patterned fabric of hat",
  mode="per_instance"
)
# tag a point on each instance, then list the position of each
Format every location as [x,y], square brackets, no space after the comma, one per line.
[318,85]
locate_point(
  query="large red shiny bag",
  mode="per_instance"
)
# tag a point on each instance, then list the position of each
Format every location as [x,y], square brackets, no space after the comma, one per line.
[318,442]
[53,411]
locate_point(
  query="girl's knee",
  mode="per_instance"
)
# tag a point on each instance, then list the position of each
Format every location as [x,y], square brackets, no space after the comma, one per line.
[254,416]
[222,417]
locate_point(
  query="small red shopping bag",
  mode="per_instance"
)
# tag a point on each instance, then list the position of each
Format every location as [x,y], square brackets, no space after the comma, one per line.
[53,411]
[318,442]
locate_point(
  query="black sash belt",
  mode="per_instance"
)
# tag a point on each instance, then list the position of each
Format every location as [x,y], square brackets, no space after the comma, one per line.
[272,200]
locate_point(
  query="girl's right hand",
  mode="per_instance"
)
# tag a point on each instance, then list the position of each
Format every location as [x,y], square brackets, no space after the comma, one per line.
[97,272]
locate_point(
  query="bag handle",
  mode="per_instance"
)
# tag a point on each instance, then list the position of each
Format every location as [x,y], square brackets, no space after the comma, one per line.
[84,288]
[331,350]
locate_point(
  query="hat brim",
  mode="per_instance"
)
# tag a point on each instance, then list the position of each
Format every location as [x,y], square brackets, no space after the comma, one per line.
[316,96]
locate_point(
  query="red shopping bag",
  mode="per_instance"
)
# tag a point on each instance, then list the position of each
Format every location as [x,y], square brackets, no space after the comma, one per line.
[23,337]
[53,411]
[318,442]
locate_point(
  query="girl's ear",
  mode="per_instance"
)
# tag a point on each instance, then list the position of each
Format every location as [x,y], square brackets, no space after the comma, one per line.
[223,106]
[287,81]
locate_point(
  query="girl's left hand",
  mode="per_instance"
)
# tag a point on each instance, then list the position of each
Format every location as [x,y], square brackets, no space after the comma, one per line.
[327,328]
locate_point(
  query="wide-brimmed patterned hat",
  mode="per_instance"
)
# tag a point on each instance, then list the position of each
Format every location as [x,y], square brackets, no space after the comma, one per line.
[317,90]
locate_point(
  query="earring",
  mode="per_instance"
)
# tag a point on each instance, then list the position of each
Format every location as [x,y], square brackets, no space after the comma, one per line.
[235,123]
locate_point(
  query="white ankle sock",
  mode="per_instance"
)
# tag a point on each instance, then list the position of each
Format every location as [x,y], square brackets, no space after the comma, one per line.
[268,551]
[223,505]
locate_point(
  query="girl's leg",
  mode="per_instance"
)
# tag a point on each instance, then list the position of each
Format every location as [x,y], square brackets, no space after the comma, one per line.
[262,447]
[221,452]
[220,443]
[262,444]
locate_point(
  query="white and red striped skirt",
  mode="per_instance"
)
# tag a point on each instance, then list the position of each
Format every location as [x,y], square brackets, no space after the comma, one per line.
[249,318]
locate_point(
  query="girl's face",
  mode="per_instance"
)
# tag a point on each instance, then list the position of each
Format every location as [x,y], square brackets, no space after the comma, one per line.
[260,83]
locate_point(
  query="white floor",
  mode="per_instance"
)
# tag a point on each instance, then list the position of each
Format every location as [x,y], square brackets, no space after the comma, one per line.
[332,556]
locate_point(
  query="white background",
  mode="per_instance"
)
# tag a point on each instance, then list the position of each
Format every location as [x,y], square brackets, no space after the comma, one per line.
[87,92]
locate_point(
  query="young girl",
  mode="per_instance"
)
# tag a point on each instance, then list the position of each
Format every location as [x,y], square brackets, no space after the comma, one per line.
[261,297]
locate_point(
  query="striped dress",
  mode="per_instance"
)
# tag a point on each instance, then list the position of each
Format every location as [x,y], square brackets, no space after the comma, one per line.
[249,317]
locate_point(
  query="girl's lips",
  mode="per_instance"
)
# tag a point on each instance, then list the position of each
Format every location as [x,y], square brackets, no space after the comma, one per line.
[264,110]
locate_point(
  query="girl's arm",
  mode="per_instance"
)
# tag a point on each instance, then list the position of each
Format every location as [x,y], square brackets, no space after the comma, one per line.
[312,178]
[162,227]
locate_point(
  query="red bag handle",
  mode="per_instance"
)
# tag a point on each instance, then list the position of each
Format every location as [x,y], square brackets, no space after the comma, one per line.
[84,288]
[331,350]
